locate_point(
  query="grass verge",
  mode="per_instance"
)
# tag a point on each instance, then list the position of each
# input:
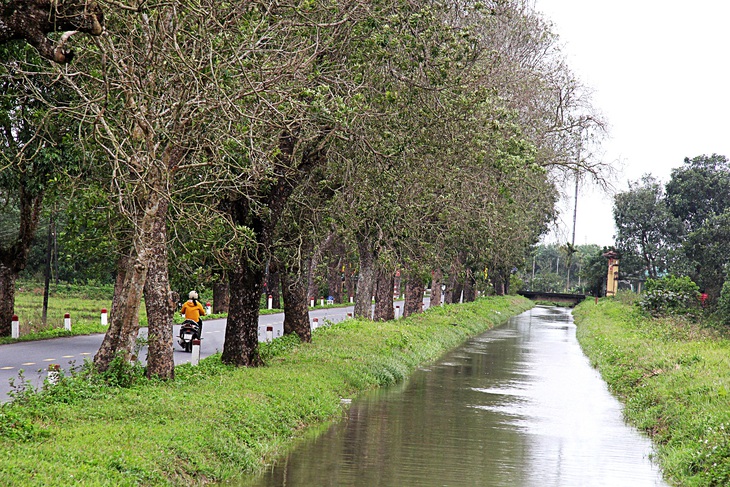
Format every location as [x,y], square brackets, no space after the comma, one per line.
[673,377]
[83,432]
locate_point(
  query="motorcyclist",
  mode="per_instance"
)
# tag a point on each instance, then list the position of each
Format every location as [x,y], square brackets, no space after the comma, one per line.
[193,310]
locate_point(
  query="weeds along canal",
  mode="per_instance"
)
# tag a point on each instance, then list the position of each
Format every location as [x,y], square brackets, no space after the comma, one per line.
[518,406]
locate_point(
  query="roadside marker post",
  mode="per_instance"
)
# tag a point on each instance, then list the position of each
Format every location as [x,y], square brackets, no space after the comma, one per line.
[104,317]
[195,357]
[15,327]
[315,323]
[67,322]
[54,374]
[271,301]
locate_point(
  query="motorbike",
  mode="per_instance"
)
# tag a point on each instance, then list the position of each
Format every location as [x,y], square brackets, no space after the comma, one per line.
[189,331]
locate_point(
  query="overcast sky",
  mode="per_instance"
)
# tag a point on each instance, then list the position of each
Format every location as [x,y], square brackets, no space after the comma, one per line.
[659,74]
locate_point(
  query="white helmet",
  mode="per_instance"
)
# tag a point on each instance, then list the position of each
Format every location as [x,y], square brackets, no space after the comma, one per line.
[193,295]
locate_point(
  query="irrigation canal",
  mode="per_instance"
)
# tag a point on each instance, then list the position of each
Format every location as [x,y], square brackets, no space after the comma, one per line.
[519,406]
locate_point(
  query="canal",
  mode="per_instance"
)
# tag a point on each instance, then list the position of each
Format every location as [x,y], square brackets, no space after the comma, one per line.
[519,406]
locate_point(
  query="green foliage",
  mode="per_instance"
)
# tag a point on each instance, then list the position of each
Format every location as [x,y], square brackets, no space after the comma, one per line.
[723,303]
[699,189]
[645,225]
[122,373]
[515,284]
[670,294]
[698,195]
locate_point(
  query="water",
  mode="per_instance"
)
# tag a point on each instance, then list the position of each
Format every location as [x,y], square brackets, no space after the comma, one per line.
[518,406]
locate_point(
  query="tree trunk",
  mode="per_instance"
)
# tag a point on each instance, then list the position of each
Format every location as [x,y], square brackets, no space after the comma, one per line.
[48,267]
[241,346]
[159,303]
[272,285]
[457,295]
[384,296]
[7,303]
[221,296]
[497,281]
[349,283]
[469,292]
[365,282]
[296,309]
[334,278]
[14,258]
[436,296]
[414,297]
[505,280]
[124,318]
[241,341]
[121,336]
[316,259]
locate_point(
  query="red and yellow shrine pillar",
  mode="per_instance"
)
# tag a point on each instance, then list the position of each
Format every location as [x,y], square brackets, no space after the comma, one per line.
[612,277]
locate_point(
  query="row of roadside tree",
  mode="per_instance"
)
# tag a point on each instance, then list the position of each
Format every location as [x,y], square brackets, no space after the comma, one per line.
[215,144]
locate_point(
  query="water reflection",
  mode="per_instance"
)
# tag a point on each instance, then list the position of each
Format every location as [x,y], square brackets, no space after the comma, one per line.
[517,406]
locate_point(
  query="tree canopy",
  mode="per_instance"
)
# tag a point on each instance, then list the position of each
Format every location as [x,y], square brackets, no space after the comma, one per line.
[428,137]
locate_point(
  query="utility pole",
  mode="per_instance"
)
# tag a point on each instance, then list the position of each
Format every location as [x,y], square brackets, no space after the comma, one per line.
[571,249]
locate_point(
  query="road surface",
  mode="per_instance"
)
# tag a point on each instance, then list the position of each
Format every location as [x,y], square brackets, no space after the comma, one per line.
[33,358]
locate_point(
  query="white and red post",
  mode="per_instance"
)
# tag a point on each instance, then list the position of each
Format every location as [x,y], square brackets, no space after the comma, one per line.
[15,327]
[195,357]
[67,322]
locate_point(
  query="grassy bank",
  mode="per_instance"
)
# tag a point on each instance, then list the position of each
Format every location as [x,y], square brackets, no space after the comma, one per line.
[83,432]
[673,376]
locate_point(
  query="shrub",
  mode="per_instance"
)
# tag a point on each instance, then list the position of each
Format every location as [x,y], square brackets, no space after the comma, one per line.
[670,294]
[723,304]
[515,284]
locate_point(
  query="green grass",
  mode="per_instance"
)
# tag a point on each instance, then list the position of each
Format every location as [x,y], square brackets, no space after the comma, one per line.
[673,376]
[85,312]
[83,432]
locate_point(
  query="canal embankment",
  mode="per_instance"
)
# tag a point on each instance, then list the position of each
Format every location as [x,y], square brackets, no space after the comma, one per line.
[214,422]
[673,376]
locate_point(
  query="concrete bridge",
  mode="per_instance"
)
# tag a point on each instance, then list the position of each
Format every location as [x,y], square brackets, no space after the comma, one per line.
[571,299]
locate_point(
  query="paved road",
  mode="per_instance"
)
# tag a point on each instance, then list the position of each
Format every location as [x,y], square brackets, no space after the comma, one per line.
[33,358]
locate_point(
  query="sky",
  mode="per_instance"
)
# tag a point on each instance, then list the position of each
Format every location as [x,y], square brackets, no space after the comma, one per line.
[659,75]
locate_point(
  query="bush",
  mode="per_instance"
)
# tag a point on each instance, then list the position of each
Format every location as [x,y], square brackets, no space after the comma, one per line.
[515,284]
[670,294]
[723,304]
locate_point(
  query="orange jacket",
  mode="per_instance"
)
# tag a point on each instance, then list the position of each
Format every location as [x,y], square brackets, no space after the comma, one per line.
[192,311]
